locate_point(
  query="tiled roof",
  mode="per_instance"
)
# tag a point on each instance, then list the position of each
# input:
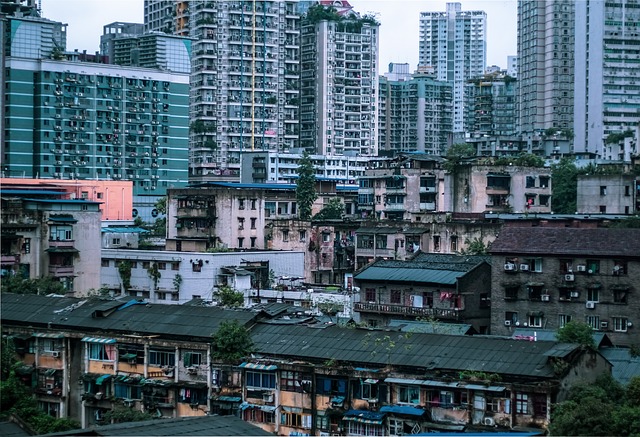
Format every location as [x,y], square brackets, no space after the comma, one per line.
[66,313]
[428,351]
[568,241]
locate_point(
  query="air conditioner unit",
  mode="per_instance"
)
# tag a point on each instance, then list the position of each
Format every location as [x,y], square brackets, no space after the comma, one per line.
[591,305]
[48,386]
[192,370]
[268,397]
[507,323]
[604,325]
[581,268]
[569,277]
[544,298]
[488,421]
[590,272]
[524,267]
[55,354]
[575,294]
[128,402]
[510,267]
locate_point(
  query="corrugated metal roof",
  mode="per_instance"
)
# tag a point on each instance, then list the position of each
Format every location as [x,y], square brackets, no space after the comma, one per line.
[431,351]
[143,319]
[374,273]
[402,409]
[625,366]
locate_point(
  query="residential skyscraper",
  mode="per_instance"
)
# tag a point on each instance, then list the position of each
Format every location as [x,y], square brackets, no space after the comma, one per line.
[117,30]
[415,113]
[244,82]
[546,48]
[490,105]
[339,83]
[453,44]
[607,90]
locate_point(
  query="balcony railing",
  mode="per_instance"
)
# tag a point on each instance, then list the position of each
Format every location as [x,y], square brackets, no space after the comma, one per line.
[8,259]
[61,243]
[60,271]
[440,313]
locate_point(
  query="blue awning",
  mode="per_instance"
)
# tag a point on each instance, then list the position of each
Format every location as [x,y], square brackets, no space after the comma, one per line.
[229,399]
[402,409]
[364,416]
[99,340]
[267,408]
[102,378]
[337,400]
[47,335]
[255,366]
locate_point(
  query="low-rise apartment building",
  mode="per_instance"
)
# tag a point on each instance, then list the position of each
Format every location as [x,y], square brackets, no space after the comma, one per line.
[90,356]
[546,277]
[448,288]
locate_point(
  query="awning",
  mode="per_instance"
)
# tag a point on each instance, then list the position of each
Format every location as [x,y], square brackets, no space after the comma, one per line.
[364,416]
[62,250]
[102,378]
[128,356]
[421,382]
[337,400]
[295,410]
[415,231]
[50,372]
[62,219]
[229,399]
[267,408]
[20,336]
[495,388]
[99,340]
[370,381]
[402,409]
[47,335]
[255,366]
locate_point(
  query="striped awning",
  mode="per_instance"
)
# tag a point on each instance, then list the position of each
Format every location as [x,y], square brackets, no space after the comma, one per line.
[255,366]
[48,335]
[99,340]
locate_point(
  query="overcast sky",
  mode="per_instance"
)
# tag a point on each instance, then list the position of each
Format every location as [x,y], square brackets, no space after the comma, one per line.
[398,32]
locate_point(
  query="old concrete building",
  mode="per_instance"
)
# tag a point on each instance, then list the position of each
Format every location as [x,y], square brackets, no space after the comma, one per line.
[44,233]
[607,194]
[449,288]
[546,277]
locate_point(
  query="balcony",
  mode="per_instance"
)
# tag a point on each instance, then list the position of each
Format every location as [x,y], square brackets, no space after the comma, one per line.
[60,271]
[9,259]
[61,243]
[402,310]
[428,206]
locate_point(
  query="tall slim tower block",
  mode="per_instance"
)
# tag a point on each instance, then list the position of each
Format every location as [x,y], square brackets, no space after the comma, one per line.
[453,45]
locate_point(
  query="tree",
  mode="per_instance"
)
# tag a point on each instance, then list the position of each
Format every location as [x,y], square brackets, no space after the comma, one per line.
[333,210]
[154,274]
[456,154]
[161,205]
[564,176]
[231,342]
[121,414]
[306,188]
[576,332]
[124,270]
[475,247]
[17,283]
[228,297]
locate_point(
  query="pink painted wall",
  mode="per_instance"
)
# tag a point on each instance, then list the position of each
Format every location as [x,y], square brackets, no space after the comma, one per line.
[116,197]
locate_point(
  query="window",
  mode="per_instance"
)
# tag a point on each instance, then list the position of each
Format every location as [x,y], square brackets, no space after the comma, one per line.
[175,266]
[162,266]
[368,390]
[619,267]
[105,263]
[326,237]
[240,223]
[253,222]
[365,241]
[381,242]
[296,420]
[511,316]
[146,264]
[539,405]
[258,416]
[193,396]
[620,324]
[253,241]
[535,321]
[49,408]
[396,296]
[511,292]
[593,266]
[323,422]
[436,243]
[295,381]
[196,266]
[454,243]
[303,235]
[364,429]
[620,295]
[26,246]
[261,379]
[522,403]
[563,319]
[331,386]
[408,394]
[126,391]
[593,321]
[50,345]
[603,190]
[192,359]
[240,242]
[530,182]
[240,203]
[445,399]
[104,352]
[370,294]
[535,290]
[253,204]
[535,264]
[566,266]
[162,358]
[593,294]
[285,235]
